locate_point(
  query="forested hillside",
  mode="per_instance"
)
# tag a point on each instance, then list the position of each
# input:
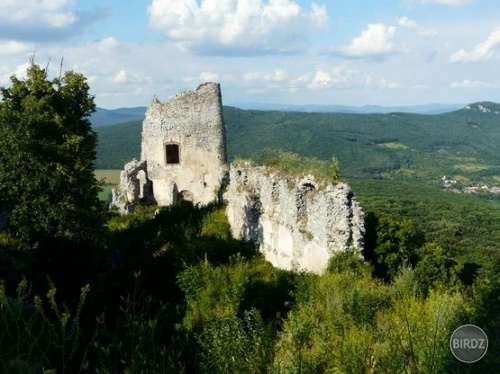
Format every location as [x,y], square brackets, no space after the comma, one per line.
[461,144]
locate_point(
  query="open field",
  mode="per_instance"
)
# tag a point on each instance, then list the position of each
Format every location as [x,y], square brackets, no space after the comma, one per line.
[110,176]
[473,167]
[394,145]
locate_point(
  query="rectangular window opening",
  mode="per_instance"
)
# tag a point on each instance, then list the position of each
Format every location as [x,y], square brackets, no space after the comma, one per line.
[172,152]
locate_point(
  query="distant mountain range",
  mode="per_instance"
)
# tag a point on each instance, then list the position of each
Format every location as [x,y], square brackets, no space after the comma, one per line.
[105,117]
[366,109]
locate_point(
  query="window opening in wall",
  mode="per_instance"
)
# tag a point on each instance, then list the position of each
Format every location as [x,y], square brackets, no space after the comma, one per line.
[172,152]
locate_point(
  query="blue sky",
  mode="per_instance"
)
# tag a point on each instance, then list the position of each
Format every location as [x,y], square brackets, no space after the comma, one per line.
[350,52]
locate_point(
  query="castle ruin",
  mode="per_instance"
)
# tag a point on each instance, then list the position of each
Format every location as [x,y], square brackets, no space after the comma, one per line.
[296,222]
[183,152]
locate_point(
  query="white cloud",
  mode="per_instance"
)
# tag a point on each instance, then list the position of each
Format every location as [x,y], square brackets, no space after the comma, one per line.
[120,77]
[412,25]
[19,72]
[237,26]
[106,44]
[375,40]
[208,76]
[44,20]
[487,50]
[472,84]
[13,47]
[124,76]
[454,3]
[277,75]
[53,13]
[336,77]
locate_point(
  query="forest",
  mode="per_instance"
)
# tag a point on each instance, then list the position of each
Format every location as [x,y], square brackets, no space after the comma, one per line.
[86,290]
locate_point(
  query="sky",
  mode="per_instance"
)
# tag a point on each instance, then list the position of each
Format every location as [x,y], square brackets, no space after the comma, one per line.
[297,52]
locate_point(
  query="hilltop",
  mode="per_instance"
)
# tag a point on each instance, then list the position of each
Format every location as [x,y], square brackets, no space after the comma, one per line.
[106,117]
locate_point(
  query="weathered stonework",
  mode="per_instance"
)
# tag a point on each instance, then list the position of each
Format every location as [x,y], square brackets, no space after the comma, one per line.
[184,148]
[297,222]
[135,187]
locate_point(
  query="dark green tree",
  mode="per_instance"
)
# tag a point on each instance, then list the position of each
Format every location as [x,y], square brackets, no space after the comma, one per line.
[48,189]
[390,244]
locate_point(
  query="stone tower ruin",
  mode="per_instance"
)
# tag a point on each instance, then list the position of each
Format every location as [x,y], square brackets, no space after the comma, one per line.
[183,152]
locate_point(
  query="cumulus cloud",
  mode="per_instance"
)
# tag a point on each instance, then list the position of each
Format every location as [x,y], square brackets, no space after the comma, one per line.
[120,77]
[208,76]
[487,50]
[334,77]
[466,83]
[124,76]
[277,75]
[43,20]
[233,27]
[55,13]
[13,47]
[453,3]
[412,25]
[19,72]
[374,41]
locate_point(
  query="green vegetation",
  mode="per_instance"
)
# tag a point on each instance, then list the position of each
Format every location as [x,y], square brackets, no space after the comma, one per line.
[291,163]
[169,290]
[47,151]
[174,293]
[466,226]
[118,144]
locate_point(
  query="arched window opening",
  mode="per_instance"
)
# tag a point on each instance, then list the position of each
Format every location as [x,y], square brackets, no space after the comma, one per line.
[172,153]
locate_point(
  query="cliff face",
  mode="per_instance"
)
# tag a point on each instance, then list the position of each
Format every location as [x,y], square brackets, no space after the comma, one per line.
[297,222]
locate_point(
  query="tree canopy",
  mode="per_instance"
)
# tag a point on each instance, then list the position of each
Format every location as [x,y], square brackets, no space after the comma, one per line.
[47,151]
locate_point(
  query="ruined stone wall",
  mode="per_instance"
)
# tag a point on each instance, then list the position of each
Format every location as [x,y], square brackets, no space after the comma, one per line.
[297,222]
[135,188]
[192,120]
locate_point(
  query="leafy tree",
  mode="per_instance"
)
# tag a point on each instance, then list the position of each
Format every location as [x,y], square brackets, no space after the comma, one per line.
[47,151]
[390,244]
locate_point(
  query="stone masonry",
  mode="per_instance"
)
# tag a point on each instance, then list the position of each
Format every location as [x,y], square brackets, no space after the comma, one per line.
[183,151]
[296,222]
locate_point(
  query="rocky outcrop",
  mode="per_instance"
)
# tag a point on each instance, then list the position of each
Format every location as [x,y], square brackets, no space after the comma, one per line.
[296,221]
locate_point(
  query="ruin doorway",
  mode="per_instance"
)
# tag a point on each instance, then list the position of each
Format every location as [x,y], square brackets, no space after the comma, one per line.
[185,198]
